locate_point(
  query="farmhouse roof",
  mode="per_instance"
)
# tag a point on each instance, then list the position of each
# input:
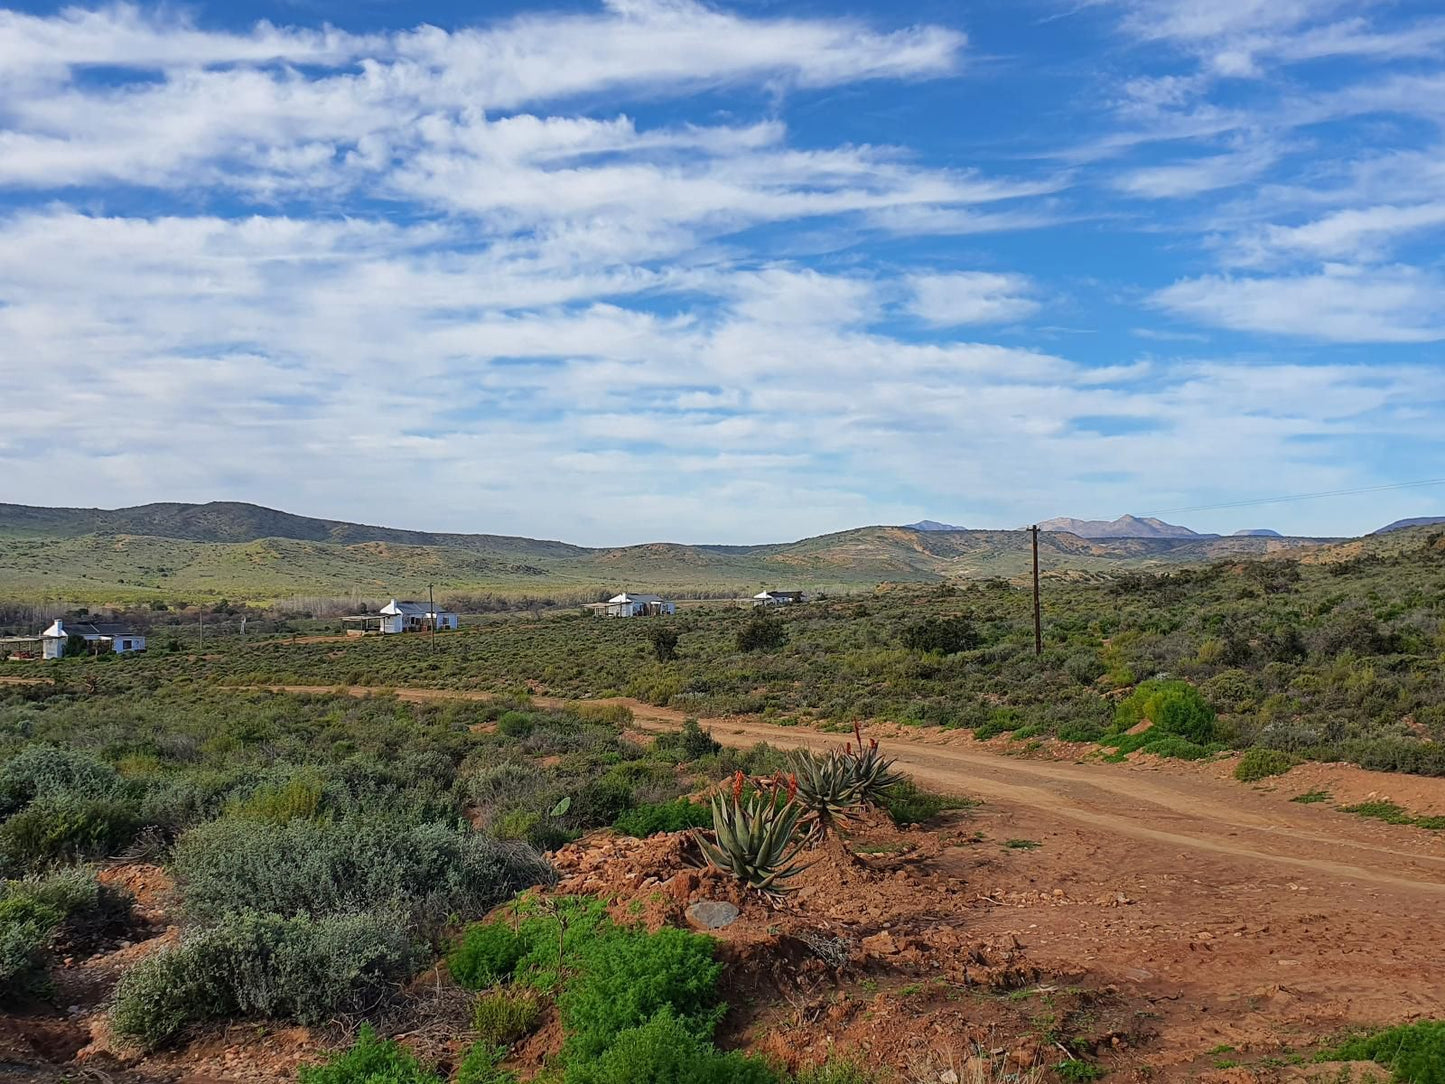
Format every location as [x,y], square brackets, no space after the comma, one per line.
[410,609]
[625,597]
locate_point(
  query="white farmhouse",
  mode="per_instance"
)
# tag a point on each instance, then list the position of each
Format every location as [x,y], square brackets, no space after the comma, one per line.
[401,615]
[628,605]
[102,637]
[777,598]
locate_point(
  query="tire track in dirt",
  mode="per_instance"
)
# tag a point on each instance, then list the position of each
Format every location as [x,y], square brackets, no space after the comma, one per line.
[1188,813]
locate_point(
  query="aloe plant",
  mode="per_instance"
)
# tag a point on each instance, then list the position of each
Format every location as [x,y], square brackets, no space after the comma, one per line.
[827,790]
[757,840]
[872,773]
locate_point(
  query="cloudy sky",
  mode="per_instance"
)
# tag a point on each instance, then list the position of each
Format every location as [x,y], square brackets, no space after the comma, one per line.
[731,271]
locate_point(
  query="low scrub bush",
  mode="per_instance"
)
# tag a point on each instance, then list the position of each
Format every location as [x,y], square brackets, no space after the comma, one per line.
[907,804]
[64,828]
[1259,764]
[1414,1053]
[481,1065]
[628,975]
[253,965]
[44,771]
[506,1014]
[667,1050]
[69,906]
[676,816]
[943,635]
[689,743]
[370,1060]
[1173,707]
[487,953]
[319,867]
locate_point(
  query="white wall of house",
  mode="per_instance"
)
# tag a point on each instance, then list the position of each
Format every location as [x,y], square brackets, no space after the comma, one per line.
[123,644]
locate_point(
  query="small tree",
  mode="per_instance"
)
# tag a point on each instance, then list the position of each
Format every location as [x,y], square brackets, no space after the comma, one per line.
[945,635]
[664,642]
[762,633]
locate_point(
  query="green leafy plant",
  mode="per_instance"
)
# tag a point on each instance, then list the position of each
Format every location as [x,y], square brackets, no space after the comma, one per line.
[757,840]
[665,1050]
[369,1060]
[1174,707]
[1262,763]
[675,816]
[506,1014]
[1414,1053]
[488,953]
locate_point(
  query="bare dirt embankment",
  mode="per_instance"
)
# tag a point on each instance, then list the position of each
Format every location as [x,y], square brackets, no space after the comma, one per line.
[1246,920]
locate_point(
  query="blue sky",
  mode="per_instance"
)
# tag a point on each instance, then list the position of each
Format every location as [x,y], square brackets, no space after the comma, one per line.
[729,272]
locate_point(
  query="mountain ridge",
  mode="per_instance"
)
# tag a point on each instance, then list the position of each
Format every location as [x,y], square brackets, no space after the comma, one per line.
[239,551]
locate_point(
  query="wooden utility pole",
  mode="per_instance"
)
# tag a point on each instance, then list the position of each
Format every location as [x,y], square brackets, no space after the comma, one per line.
[1038,613]
[432,603]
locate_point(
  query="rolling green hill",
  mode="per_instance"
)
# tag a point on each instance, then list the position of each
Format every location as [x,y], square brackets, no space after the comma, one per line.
[246,552]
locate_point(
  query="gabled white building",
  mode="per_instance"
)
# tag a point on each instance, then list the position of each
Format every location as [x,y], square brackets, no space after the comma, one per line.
[401,615]
[102,637]
[777,598]
[629,605]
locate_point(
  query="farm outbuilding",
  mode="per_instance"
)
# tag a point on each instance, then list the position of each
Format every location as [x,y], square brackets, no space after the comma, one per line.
[777,598]
[400,615]
[629,605]
[101,636]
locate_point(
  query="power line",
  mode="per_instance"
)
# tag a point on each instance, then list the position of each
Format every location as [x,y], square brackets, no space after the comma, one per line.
[1299,497]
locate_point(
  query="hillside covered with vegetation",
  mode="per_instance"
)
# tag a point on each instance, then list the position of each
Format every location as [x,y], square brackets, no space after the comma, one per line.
[177,554]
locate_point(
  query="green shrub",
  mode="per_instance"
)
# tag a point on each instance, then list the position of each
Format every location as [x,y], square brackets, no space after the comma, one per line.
[907,804]
[836,1072]
[25,929]
[676,816]
[515,724]
[64,828]
[506,1014]
[689,743]
[667,1050]
[253,965]
[761,633]
[1259,764]
[297,799]
[44,771]
[627,975]
[1080,730]
[480,1066]
[1174,707]
[487,953]
[944,635]
[33,912]
[323,867]
[370,1060]
[1415,1053]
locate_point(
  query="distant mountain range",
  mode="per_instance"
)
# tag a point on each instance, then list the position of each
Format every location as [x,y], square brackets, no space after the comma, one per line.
[249,552]
[1402,524]
[1123,527]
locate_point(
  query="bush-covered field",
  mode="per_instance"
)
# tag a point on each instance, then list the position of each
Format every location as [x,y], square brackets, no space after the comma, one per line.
[322,847]
[1330,661]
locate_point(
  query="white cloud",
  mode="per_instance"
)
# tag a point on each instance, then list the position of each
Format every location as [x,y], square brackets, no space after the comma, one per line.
[1340,304]
[1353,235]
[972,297]
[1190,178]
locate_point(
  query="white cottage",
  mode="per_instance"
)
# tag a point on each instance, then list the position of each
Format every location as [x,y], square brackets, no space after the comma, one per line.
[777,598]
[628,605]
[102,637]
[400,615]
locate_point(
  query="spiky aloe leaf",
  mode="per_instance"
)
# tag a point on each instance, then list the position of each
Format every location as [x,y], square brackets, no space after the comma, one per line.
[871,772]
[827,790]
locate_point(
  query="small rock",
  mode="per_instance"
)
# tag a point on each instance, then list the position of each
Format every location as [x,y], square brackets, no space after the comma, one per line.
[711,914]
[948,1076]
[880,944]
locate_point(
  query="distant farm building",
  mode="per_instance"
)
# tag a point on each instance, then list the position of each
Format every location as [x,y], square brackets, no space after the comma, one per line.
[777,598]
[99,636]
[400,615]
[628,605]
